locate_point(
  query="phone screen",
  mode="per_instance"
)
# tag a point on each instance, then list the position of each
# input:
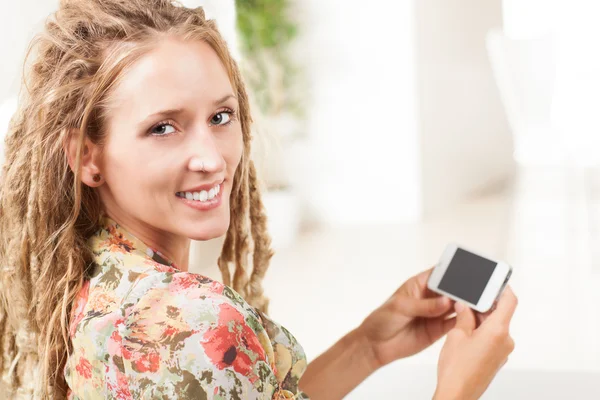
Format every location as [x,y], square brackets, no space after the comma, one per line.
[467,275]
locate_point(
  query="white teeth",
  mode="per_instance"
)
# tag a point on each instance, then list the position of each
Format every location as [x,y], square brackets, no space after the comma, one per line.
[202,195]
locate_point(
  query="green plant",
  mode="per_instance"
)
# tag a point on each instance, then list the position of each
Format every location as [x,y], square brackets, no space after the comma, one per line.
[265,24]
[266,31]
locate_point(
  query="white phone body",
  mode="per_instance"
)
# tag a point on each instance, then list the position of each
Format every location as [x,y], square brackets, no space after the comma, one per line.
[468,277]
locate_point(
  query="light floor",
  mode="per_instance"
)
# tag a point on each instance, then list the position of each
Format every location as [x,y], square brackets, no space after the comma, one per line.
[544,226]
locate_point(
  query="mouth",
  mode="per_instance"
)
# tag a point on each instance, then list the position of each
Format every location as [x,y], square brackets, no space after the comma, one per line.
[202,196]
[209,198]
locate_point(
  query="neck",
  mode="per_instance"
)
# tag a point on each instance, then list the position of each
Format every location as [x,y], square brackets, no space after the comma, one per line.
[175,248]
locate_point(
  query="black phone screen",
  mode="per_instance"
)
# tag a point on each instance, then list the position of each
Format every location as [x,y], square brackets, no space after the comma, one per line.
[467,276]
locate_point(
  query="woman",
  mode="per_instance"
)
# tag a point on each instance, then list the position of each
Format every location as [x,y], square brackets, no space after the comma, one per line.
[133,139]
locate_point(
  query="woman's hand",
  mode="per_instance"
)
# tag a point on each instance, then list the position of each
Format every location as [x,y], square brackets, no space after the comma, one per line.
[411,320]
[473,355]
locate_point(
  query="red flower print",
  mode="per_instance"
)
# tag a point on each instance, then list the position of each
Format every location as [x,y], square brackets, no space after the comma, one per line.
[170,331]
[146,362]
[233,343]
[114,345]
[118,322]
[216,287]
[183,282]
[127,354]
[123,392]
[116,242]
[194,285]
[160,267]
[84,368]
[78,307]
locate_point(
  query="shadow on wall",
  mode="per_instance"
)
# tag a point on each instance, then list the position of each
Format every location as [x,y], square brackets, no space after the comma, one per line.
[466,144]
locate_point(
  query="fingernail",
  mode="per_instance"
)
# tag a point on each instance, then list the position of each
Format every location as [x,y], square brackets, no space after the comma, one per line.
[443,301]
[459,307]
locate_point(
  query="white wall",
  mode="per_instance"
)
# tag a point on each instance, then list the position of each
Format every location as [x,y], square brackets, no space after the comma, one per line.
[223,12]
[526,19]
[466,143]
[362,162]
[19,22]
[576,98]
[404,104]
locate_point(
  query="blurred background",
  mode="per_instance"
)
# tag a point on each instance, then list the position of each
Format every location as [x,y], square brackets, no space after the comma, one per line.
[385,130]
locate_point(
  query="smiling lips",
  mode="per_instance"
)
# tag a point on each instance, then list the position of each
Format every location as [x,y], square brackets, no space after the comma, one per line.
[201,196]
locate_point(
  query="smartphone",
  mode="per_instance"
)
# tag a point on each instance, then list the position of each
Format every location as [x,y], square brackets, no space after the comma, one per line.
[470,278]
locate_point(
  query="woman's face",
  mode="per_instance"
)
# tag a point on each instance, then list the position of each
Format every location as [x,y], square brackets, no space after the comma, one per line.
[174,142]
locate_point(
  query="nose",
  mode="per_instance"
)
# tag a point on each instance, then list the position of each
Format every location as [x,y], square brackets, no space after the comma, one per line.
[206,156]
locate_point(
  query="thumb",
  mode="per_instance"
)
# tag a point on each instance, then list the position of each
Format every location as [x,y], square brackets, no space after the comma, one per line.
[412,307]
[465,319]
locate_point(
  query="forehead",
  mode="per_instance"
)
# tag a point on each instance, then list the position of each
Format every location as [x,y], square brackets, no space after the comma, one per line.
[174,74]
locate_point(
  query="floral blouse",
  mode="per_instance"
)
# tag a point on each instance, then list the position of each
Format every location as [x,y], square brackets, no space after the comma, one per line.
[143,329]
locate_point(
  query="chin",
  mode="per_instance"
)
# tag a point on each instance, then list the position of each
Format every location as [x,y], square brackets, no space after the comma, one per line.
[209,230]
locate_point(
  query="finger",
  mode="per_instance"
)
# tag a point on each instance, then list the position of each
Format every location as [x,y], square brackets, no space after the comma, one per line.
[481,317]
[423,277]
[448,325]
[431,308]
[465,319]
[451,313]
[506,306]
[438,327]
[416,286]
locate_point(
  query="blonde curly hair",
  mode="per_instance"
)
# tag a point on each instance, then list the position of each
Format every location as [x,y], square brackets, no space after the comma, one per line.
[47,214]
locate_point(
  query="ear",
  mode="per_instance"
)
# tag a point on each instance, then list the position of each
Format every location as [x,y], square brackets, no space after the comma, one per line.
[90,157]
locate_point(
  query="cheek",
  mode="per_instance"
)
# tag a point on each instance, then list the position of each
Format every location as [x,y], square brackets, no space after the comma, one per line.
[138,174]
[121,153]
[233,151]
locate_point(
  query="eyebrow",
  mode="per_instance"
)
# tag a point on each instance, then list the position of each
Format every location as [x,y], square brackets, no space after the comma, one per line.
[177,111]
[224,99]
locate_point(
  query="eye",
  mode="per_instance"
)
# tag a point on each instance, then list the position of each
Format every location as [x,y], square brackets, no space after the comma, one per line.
[163,129]
[222,118]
